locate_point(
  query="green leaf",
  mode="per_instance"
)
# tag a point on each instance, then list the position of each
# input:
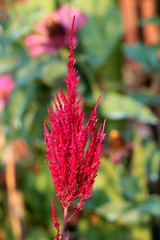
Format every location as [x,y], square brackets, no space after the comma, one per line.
[152,156]
[151,207]
[144,55]
[102,230]
[130,187]
[119,106]
[15,31]
[38,233]
[50,68]
[123,212]
[106,186]
[18,17]
[101,28]
[138,169]
[53,70]
[10,58]
[128,212]
[92,8]
[140,231]
[146,98]
[144,21]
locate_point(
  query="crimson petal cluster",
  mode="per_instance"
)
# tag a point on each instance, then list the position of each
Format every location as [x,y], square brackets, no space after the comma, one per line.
[73,149]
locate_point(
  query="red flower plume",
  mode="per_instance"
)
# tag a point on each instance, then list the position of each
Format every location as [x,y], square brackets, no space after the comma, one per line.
[73,149]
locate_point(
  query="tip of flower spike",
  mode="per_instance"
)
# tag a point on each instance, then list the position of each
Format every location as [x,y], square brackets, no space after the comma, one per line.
[72,48]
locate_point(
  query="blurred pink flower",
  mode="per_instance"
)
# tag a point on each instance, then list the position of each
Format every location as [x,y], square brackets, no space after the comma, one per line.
[53,31]
[6,87]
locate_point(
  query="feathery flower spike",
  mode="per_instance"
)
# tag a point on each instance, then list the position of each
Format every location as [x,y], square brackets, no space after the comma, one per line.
[72,166]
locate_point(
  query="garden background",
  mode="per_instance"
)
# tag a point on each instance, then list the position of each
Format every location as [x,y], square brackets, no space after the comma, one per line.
[118,58]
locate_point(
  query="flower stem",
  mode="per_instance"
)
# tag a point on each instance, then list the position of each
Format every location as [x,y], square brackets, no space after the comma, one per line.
[64,223]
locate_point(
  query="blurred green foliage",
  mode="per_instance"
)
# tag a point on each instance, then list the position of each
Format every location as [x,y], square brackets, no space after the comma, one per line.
[126,200]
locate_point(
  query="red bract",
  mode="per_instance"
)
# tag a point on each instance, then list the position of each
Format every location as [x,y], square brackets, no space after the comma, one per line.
[73,149]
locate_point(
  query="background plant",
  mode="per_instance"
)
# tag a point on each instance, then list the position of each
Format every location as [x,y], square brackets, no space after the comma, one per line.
[125,203]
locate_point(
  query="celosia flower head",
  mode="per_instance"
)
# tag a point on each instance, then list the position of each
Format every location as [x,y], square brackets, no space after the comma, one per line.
[73,149]
[7,85]
[53,32]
